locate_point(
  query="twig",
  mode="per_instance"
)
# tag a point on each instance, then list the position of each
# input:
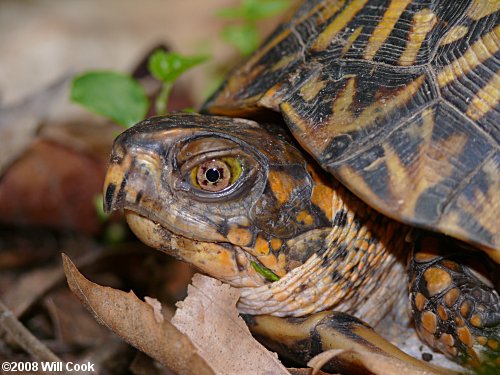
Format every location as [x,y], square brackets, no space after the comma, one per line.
[25,338]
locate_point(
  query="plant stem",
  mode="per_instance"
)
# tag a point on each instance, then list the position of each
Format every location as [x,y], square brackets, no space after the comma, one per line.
[161,102]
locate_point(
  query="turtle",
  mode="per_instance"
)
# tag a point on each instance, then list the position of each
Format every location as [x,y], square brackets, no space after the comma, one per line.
[345,177]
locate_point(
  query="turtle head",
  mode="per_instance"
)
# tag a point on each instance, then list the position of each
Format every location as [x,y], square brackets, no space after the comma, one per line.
[223,194]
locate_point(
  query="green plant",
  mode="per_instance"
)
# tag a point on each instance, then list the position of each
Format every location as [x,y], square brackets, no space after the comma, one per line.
[245,35]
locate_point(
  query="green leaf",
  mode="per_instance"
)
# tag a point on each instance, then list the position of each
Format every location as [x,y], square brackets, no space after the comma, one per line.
[114,95]
[254,10]
[245,38]
[264,271]
[168,66]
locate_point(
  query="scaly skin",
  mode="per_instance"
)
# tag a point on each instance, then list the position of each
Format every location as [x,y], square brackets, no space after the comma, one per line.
[322,247]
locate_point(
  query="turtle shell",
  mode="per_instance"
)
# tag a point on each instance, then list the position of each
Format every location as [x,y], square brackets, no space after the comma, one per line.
[397,99]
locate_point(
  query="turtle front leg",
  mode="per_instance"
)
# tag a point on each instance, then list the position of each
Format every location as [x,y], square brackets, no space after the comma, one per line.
[300,339]
[455,304]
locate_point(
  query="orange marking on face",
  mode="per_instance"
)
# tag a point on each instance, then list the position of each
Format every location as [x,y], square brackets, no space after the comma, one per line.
[423,22]
[465,336]
[385,27]
[261,246]
[459,321]
[437,280]
[275,264]
[276,243]
[239,236]
[305,218]
[322,197]
[429,321]
[282,185]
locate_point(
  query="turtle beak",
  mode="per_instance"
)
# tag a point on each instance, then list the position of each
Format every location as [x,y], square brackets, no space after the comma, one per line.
[132,174]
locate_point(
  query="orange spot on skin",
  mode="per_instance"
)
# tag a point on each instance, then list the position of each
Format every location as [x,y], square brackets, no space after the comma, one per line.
[281,184]
[429,322]
[420,301]
[493,344]
[465,336]
[465,308]
[305,218]
[475,320]
[447,339]
[275,264]
[482,340]
[322,197]
[261,246]
[443,315]
[437,280]
[451,297]
[239,236]
[276,243]
[451,265]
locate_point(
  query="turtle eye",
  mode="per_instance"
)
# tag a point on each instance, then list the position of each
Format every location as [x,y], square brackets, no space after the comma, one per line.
[216,174]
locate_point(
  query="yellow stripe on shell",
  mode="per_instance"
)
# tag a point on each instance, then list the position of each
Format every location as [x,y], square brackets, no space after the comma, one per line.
[479,51]
[482,8]
[454,34]
[423,22]
[385,27]
[486,98]
[339,23]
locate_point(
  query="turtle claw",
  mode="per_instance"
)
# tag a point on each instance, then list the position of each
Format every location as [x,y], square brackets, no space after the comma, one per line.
[301,339]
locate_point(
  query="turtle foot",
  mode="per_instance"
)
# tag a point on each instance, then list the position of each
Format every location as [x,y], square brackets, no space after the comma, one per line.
[455,303]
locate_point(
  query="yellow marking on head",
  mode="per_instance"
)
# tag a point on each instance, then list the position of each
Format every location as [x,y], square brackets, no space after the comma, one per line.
[423,22]
[493,344]
[322,197]
[478,52]
[305,218]
[482,8]
[261,246]
[309,91]
[486,99]
[239,236]
[454,34]
[276,243]
[281,184]
[350,40]
[340,22]
[385,27]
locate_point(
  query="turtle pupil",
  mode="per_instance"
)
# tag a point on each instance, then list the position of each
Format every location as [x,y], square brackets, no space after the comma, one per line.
[212,175]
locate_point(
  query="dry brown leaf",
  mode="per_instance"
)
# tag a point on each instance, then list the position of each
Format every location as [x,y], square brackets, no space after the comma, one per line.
[134,321]
[208,316]
[156,305]
[375,363]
